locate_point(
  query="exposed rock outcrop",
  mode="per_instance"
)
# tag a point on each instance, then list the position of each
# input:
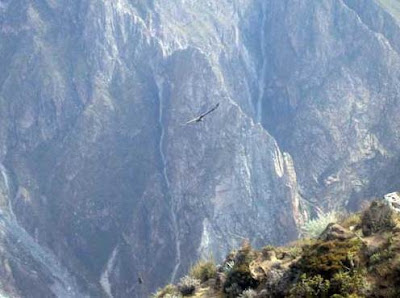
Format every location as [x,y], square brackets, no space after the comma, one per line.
[336,232]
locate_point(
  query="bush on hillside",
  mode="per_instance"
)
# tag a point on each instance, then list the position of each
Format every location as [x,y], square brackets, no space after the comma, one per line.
[378,217]
[204,270]
[188,285]
[168,291]
[329,257]
[314,227]
[347,283]
[310,287]
[239,277]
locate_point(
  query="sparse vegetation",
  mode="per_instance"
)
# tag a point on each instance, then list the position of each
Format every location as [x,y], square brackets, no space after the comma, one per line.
[204,270]
[352,221]
[188,285]
[310,287]
[360,257]
[329,257]
[342,284]
[347,283]
[169,291]
[267,251]
[238,280]
[381,256]
[239,277]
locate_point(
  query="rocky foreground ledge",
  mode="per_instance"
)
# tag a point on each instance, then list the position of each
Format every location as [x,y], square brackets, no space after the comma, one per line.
[358,256]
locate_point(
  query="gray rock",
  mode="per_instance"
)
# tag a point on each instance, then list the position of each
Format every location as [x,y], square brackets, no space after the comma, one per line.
[336,232]
[99,171]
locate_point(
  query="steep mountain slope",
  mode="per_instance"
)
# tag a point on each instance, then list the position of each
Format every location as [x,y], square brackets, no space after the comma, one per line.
[106,178]
[103,172]
[341,93]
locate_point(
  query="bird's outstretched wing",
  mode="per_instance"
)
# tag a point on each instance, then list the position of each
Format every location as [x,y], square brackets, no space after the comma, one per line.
[210,111]
[192,121]
[199,118]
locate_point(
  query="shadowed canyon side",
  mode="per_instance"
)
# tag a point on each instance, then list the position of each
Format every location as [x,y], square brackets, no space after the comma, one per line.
[104,175]
[333,70]
[103,178]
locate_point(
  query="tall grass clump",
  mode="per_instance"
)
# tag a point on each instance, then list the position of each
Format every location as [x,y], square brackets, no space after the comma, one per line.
[204,270]
[314,227]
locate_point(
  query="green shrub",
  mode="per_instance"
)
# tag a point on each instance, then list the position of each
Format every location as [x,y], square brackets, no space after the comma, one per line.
[380,257]
[314,227]
[204,270]
[245,254]
[346,283]
[376,258]
[329,257]
[238,280]
[188,285]
[342,284]
[294,251]
[310,287]
[239,277]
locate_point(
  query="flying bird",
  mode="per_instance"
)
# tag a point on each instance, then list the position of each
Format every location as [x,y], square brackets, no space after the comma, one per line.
[140,279]
[200,118]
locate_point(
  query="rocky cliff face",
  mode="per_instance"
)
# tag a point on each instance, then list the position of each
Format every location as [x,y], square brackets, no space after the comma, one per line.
[341,93]
[100,175]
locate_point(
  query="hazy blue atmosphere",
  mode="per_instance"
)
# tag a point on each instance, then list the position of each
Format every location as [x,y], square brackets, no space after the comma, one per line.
[101,179]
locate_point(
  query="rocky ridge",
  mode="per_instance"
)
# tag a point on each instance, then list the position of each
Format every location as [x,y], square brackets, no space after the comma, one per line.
[357,257]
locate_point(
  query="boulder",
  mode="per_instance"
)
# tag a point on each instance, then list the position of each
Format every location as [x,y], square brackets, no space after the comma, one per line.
[335,231]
